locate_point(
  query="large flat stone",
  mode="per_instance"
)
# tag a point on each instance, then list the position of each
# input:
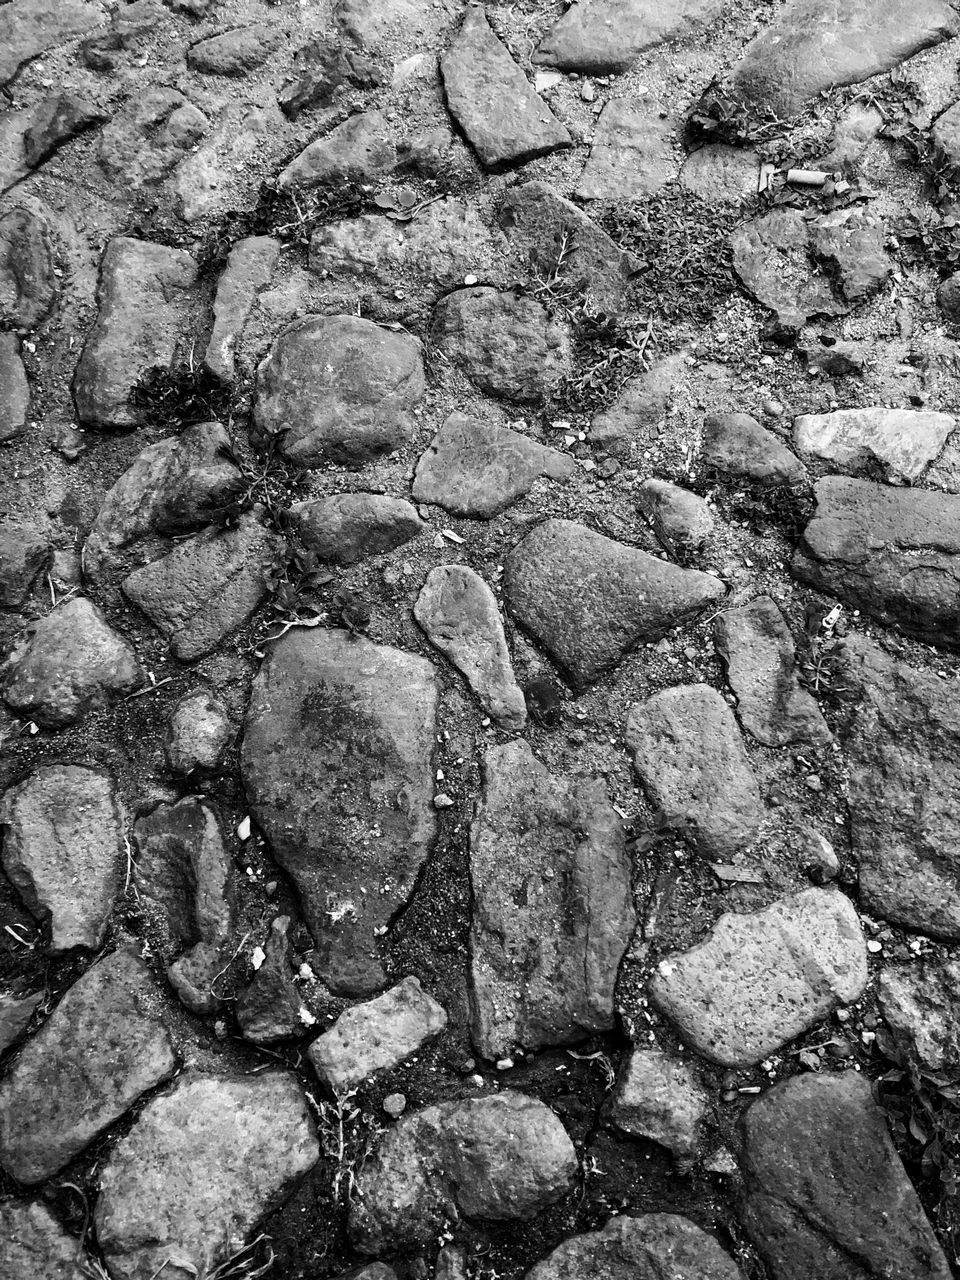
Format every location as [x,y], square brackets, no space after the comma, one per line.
[604,36]
[14,389]
[28,286]
[589,599]
[349,527]
[337,768]
[632,154]
[36,1246]
[153,131]
[772,257]
[895,445]
[359,150]
[650,1246]
[236,52]
[736,445]
[31,27]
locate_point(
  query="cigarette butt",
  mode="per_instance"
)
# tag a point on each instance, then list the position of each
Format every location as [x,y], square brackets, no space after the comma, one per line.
[807,177]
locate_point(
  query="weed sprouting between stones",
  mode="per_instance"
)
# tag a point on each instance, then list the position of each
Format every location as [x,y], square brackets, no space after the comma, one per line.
[348,1135]
[177,398]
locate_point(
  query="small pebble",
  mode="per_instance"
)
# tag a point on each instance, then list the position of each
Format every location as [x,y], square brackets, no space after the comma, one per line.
[394,1104]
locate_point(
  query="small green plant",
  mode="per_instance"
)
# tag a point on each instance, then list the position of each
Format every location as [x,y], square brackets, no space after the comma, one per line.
[266,480]
[347,1137]
[179,397]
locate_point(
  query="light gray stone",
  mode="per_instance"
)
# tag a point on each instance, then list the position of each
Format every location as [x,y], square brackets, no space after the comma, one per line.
[659,1096]
[603,36]
[651,1245]
[632,154]
[198,733]
[270,1007]
[359,150]
[16,1010]
[920,1004]
[148,136]
[35,1244]
[350,527]
[31,27]
[736,445]
[720,174]
[681,520]
[894,445]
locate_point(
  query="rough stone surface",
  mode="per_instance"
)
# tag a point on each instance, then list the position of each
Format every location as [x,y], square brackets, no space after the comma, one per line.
[737,445]
[14,389]
[718,173]
[635,417]
[103,1046]
[152,132]
[67,663]
[895,445]
[945,135]
[15,1014]
[757,649]
[504,1158]
[552,913]
[143,293]
[492,100]
[250,266]
[771,256]
[757,981]
[200,1166]
[23,553]
[459,613]
[198,733]
[234,53]
[28,286]
[36,1245]
[659,1096]
[54,121]
[477,469]
[651,1246]
[604,36]
[919,1004]
[826,1194]
[690,757]
[341,388]
[270,1007]
[589,599]
[376,1036]
[632,155]
[851,244]
[680,519]
[30,27]
[350,527]
[359,150]
[62,851]
[337,768]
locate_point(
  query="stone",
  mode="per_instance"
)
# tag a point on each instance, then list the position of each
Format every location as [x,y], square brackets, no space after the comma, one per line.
[948,296]
[380,25]
[507,344]
[736,445]
[31,27]
[635,416]
[212,181]
[826,1194]
[919,1004]
[771,257]
[894,445]
[659,1096]
[632,154]
[337,767]
[269,1008]
[67,663]
[62,851]
[901,741]
[646,1247]
[565,246]
[759,980]
[57,120]
[37,1246]
[720,174]
[503,1158]
[201,1164]
[856,127]
[492,101]
[23,553]
[341,389]
[143,298]
[681,520]
[102,50]
[851,244]
[359,150]
[691,760]
[758,653]
[376,1036]
[237,52]
[14,389]
[185,871]
[552,907]
[818,856]
[607,36]
[589,600]
[28,286]
[250,266]
[813,45]
[350,527]
[15,1014]
[894,553]
[149,136]
[102,1047]
[207,587]
[198,733]
[477,469]
[459,614]
[321,67]
[171,488]
[834,356]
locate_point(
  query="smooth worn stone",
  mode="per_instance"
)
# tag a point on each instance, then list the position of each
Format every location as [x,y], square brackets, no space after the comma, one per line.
[826,1194]
[269,1008]
[659,1096]
[459,614]
[636,415]
[650,1246]
[851,243]
[149,136]
[14,389]
[23,553]
[565,246]
[15,1014]
[681,520]
[55,121]
[31,27]
[67,663]
[62,851]
[207,587]
[758,980]
[171,488]
[250,266]
[902,742]
[477,469]
[359,150]
[503,1158]
[736,445]
[376,1036]
[394,269]
[143,299]
[691,760]
[813,45]
[198,733]
[758,653]
[507,344]
[589,599]
[632,154]
[341,389]
[235,53]
[607,36]
[552,908]
[350,527]
[184,869]
[894,553]
[102,1047]
[492,101]
[771,257]
[318,69]
[337,766]
[36,1246]
[894,445]
[201,1164]
[720,174]
[919,1004]
[28,285]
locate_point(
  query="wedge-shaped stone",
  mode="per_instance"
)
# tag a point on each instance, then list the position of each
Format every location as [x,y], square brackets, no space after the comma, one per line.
[895,445]
[632,153]
[650,1245]
[919,1004]
[604,36]
[359,150]
[250,266]
[658,1096]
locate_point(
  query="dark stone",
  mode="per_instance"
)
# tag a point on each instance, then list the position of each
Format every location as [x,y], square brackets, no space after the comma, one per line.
[28,286]
[772,257]
[23,553]
[35,1244]
[269,1007]
[658,1096]
[681,520]
[16,1012]
[359,150]
[633,420]
[736,445]
[14,389]
[350,527]
[250,266]
[851,244]
[320,68]
[919,1005]
[948,296]
[235,53]
[58,120]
